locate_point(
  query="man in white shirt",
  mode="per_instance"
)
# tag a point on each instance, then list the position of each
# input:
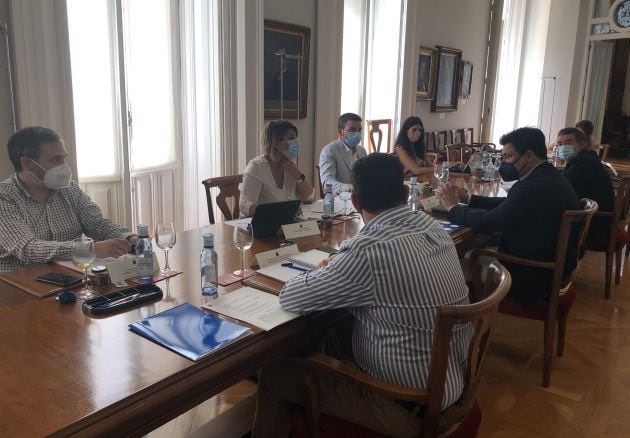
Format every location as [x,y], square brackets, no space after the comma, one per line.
[338,157]
[42,210]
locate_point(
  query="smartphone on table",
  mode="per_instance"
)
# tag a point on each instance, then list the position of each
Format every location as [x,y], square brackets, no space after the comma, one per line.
[59,279]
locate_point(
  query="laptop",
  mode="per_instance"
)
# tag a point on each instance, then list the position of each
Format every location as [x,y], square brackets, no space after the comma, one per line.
[268,218]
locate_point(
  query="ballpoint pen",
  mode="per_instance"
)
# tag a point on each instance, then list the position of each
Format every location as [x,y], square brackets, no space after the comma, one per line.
[297,268]
[119,301]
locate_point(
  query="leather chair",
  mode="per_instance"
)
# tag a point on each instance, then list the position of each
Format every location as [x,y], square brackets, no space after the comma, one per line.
[557,307]
[618,237]
[462,419]
[228,188]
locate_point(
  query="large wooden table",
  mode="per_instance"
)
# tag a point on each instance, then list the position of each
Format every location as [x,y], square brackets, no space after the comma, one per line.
[63,372]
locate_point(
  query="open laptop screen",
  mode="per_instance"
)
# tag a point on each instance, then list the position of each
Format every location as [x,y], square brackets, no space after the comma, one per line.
[269,217]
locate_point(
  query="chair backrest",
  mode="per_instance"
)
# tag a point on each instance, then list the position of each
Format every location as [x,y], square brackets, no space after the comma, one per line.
[458,136]
[469,135]
[441,140]
[228,188]
[430,141]
[376,136]
[481,315]
[622,205]
[458,152]
[319,178]
[610,169]
[485,147]
[602,151]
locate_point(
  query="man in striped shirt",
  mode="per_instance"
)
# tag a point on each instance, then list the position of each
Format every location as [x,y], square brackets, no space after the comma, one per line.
[391,276]
[42,210]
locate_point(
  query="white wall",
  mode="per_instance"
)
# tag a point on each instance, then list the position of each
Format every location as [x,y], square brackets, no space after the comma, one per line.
[579,66]
[303,13]
[6,119]
[461,25]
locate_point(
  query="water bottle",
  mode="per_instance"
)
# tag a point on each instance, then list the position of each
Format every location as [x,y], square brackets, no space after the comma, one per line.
[208,262]
[555,156]
[144,254]
[413,194]
[329,201]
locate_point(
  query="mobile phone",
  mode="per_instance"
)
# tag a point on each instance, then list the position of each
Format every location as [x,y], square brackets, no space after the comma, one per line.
[59,279]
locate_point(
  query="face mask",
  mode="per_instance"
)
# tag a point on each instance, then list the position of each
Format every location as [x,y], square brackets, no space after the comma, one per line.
[353,139]
[566,151]
[56,178]
[508,172]
[294,148]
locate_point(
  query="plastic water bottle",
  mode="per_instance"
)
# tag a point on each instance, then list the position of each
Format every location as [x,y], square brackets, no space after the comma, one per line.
[208,262]
[413,194]
[555,156]
[144,254]
[329,201]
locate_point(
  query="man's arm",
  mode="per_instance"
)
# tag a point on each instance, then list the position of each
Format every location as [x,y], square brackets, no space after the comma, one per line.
[328,170]
[345,282]
[485,202]
[92,221]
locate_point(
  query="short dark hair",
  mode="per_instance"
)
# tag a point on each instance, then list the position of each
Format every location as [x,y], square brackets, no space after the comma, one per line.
[377,181]
[586,126]
[576,133]
[416,149]
[524,139]
[28,142]
[347,117]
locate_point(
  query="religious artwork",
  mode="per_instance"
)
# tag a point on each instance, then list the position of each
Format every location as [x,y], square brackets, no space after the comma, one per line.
[447,79]
[467,70]
[286,51]
[426,73]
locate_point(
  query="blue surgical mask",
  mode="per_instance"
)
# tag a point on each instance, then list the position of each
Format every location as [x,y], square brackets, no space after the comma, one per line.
[294,149]
[566,151]
[353,139]
[508,172]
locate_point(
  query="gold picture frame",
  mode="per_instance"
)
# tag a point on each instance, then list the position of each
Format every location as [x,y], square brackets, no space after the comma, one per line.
[425,84]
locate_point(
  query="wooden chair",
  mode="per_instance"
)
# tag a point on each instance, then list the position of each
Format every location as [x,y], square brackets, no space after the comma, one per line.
[228,187]
[557,307]
[430,141]
[485,147]
[612,172]
[431,158]
[376,135]
[469,135]
[319,178]
[456,419]
[602,151]
[458,153]
[458,136]
[442,139]
[618,237]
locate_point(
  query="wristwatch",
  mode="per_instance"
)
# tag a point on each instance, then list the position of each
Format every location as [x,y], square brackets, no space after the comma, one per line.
[302,178]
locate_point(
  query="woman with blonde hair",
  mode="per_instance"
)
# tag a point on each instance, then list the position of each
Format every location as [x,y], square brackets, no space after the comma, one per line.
[273,176]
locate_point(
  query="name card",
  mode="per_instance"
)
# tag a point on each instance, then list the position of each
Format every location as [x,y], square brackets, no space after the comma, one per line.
[300,229]
[267,258]
[124,267]
[429,203]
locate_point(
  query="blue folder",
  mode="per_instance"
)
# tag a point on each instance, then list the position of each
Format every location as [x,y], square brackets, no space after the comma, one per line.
[450,227]
[188,330]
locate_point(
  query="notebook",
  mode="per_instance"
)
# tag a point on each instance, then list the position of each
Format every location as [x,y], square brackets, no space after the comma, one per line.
[26,280]
[309,259]
[188,330]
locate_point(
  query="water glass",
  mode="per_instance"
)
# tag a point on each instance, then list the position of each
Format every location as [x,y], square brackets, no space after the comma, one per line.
[165,238]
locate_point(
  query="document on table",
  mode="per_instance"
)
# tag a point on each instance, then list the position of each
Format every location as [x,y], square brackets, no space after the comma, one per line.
[239,222]
[252,306]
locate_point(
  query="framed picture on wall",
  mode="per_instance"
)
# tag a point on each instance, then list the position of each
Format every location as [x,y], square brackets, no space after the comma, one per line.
[447,79]
[425,85]
[467,70]
[286,51]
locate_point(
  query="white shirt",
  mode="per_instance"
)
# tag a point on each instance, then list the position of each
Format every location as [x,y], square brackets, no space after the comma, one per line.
[259,187]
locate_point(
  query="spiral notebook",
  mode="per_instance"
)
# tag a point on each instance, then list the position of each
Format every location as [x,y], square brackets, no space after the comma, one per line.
[188,330]
[309,259]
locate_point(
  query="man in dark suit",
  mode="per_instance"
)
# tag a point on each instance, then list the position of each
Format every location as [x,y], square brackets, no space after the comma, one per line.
[589,179]
[529,218]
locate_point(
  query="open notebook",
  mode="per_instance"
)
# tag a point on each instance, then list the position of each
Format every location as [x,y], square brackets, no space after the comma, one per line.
[302,262]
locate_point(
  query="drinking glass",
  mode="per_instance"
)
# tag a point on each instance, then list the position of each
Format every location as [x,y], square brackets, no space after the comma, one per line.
[243,240]
[165,238]
[438,172]
[345,197]
[83,255]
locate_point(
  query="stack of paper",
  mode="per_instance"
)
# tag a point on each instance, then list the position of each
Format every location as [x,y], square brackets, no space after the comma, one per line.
[252,306]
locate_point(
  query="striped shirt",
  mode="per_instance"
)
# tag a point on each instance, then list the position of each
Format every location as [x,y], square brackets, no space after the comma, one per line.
[392,276]
[39,232]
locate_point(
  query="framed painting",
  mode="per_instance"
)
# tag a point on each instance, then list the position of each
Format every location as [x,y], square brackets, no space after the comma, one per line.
[425,85]
[447,79]
[467,71]
[286,52]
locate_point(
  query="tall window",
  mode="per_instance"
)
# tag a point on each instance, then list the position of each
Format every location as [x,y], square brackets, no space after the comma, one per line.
[122,71]
[373,57]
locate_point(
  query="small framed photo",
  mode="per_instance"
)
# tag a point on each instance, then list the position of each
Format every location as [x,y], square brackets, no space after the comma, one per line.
[425,87]
[467,71]
[447,79]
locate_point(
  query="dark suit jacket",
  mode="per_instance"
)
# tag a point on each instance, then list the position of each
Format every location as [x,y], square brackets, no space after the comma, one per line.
[529,219]
[590,180]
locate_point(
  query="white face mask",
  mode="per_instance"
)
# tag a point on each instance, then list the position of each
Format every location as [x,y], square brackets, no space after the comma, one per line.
[56,178]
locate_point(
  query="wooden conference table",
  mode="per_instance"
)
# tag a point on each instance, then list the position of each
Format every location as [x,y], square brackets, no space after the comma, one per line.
[63,372]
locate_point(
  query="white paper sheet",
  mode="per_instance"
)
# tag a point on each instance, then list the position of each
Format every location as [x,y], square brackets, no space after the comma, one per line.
[239,222]
[252,306]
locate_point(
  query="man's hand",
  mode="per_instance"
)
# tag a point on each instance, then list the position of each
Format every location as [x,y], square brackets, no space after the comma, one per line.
[111,248]
[325,262]
[462,195]
[448,195]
